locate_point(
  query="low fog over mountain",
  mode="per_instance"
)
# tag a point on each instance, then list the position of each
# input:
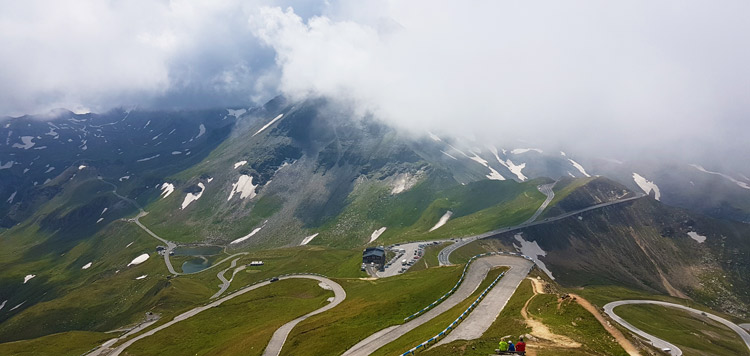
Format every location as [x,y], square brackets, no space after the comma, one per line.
[374,178]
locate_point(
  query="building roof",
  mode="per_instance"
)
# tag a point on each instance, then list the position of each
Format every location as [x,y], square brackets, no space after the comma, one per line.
[373,251]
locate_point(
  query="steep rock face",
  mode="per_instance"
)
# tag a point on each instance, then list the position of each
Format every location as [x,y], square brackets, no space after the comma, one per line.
[721,192]
[127,144]
[644,244]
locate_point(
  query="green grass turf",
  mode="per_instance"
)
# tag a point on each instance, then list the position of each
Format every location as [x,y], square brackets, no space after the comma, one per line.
[510,323]
[63,344]
[241,326]
[429,259]
[371,305]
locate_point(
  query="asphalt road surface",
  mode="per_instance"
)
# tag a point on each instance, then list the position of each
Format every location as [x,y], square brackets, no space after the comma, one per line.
[494,302]
[224,281]
[396,265]
[474,277]
[548,190]
[659,343]
[279,337]
[338,291]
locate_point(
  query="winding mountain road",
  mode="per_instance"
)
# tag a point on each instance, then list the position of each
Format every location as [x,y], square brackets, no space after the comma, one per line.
[141,213]
[548,190]
[224,281]
[170,245]
[490,307]
[476,273]
[444,255]
[663,344]
[279,337]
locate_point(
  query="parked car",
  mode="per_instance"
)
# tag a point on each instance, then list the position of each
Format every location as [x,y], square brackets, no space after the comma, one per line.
[274,279]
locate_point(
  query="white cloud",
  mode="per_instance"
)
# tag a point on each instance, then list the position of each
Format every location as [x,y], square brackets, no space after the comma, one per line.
[99,54]
[660,73]
[627,71]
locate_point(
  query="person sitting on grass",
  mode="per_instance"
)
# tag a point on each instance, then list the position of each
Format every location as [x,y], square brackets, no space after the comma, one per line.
[511,347]
[521,347]
[503,346]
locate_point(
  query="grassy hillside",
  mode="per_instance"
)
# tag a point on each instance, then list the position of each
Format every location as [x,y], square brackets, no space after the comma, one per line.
[561,317]
[643,245]
[243,325]
[371,305]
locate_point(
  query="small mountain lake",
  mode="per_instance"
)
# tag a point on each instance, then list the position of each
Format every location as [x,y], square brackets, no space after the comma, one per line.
[201,254]
[195,265]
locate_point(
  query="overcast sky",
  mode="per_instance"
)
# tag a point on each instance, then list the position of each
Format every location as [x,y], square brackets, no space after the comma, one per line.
[672,75]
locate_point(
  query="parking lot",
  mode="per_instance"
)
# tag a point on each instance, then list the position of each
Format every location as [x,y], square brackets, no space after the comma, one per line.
[407,255]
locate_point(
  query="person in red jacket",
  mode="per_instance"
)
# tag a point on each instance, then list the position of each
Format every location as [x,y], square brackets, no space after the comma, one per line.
[521,347]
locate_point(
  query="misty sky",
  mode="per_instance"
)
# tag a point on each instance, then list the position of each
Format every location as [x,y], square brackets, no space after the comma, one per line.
[639,75]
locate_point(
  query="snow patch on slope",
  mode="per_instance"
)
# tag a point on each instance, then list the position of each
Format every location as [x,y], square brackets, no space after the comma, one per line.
[138,260]
[307,240]
[190,197]
[579,167]
[533,250]
[166,189]
[148,158]
[142,277]
[87,266]
[269,124]
[201,130]
[243,238]
[519,151]
[449,155]
[442,221]
[512,167]
[28,142]
[494,175]
[244,186]
[236,113]
[739,183]
[478,159]
[646,185]
[11,197]
[28,278]
[434,137]
[695,236]
[375,234]
[7,165]
[240,163]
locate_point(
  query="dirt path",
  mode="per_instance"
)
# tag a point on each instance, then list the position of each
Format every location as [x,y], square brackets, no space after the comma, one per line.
[624,342]
[538,329]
